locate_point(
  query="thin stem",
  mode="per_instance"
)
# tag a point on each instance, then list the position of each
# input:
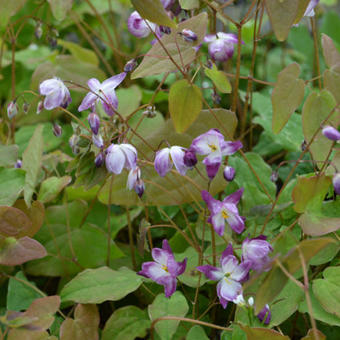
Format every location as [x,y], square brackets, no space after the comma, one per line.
[109,223]
[132,247]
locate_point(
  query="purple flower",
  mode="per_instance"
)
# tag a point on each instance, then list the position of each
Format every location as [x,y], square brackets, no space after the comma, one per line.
[213,145]
[104,93]
[119,156]
[57,130]
[331,133]
[265,315]
[57,94]
[256,251]
[167,3]
[99,160]
[230,275]
[94,122]
[40,106]
[229,173]
[130,65]
[135,182]
[221,45]
[18,164]
[138,27]
[164,270]
[310,8]
[188,35]
[336,183]
[98,141]
[224,211]
[165,159]
[190,159]
[12,109]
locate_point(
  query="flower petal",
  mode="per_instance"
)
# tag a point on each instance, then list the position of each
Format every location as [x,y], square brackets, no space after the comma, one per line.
[130,153]
[170,286]
[235,197]
[53,99]
[229,148]
[217,220]
[211,272]
[154,271]
[240,271]
[111,83]
[48,86]
[229,263]
[161,256]
[228,289]
[227,252]
[213,205]
[93,84]
[236,223]
[177,156]
[162,162]
[87,102]
[115,160]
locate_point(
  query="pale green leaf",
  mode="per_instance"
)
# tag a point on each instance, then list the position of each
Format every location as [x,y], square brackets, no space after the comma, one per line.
[219,79]
[51,187]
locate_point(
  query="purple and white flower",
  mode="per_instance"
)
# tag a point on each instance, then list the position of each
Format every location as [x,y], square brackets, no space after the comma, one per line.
[97,140]
[221,45]
[104,93]
[18,164]
[265,315]
[99,160]
[57,94]
[94,122]
[331,133]
[135,182]
[336,183]
[229,173]
[12,109]
[164,270]
[188,35]
[310,8]
[230,275]
[225,211]
[138,26]
[213,145]
[120,156]
[256,251]
[168,157]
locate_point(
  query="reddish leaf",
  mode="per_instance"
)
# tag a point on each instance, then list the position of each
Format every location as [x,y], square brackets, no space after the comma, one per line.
[13,221]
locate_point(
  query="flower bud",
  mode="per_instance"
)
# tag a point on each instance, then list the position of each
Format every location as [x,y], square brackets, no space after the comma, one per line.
[52,41]
[150,112]
[331,133]
[94,122]
[165,29]
[57,130]
[18,164]
[229,173]
[99,161]
[73,141]
[38,30]
[274,176]
[139,187]
[265,315]
[303,146]
[98,141]
[190,159]
[130,65]
[25,107]
[216,98]
[138,26]
[40,106]
[188,35]
[12,109]
[336,183]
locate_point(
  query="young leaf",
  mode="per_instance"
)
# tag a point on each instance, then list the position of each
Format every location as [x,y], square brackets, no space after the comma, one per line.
[60,8]
[13,221]
[219,79]
[185,103]
[8,155]
[12,182]
[196,333]
[154,11]
[287,96]
[182,52]
[176,305]
[101,284]
[51,187]
[330,52]
[189,4]
[126,323]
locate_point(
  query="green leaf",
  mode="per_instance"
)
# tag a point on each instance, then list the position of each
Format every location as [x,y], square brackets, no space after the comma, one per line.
[316,108]
[8,9]
[331,25]
[19,294]
[330,52]
[275,280]
[31,163]
[332,81]
[176,305]
[154,11]
[60,8]
[287,95]
[129,100]
[166,191]
[309,192]
[82,54]
[126,323]
[157,61]
[282,15]
[12,182]
[185,104]
[196,333]
[101,284]
[262,334]
[327,290]
[310,335]
[189,4]
[8,155]
[219,79]
[83,326]
[51,187]
[88,245]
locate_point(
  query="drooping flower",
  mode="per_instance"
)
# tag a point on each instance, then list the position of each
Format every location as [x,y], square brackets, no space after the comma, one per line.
[331,133]
[221,45]
[229,173]
[336,183]
[104,93]
[225,211]
[135,182]
[265,315]
[230,275]
[164,270]
[120,156]
[310,8]
[168,157]
[188,35]
[57,94]
[97,140]
[213,145]
[138,27]
[256,251]
[94,122]
[12,109]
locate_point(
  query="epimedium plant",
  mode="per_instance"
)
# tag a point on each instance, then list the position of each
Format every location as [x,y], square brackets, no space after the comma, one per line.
[170,170]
